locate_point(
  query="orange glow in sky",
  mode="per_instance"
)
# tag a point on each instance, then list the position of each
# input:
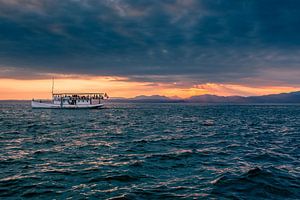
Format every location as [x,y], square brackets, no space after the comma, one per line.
[121,87]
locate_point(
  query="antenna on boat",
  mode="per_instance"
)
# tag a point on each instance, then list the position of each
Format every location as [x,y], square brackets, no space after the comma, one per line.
[52,85]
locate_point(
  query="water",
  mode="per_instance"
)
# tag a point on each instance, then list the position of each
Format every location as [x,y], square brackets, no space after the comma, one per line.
[150,151]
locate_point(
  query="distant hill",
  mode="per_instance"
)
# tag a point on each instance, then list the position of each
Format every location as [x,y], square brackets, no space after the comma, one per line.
[153,97]
[293,97]
[148,99]
[207,98]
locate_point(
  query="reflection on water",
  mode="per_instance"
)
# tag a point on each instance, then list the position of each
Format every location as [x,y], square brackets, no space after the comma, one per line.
[138,151]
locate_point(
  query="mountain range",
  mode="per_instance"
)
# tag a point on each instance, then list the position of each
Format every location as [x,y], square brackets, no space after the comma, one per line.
[292,97]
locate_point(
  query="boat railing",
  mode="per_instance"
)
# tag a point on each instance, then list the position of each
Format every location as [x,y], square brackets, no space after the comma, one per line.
[42,100]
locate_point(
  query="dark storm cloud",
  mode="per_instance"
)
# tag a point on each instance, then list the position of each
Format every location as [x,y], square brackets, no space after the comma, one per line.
[201,40]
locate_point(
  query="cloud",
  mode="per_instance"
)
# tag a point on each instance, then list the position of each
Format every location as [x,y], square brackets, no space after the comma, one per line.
[170,41]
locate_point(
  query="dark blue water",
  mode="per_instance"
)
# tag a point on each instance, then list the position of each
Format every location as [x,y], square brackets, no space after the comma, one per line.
[150,151]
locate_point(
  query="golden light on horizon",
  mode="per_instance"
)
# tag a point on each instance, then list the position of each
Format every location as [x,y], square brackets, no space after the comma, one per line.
[122,87]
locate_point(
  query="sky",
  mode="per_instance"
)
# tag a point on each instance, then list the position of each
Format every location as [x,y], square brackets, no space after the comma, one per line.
[176,48]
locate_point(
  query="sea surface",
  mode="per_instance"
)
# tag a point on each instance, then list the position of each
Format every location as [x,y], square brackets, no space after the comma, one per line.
[150,151]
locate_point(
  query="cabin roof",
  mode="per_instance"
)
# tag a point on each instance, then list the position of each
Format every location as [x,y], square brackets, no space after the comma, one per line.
[79,93]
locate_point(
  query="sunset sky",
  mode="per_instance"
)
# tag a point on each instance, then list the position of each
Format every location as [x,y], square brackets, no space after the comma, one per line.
[176,48]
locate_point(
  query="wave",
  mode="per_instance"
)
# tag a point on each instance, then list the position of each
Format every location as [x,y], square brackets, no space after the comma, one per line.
[119,178]
[257,181]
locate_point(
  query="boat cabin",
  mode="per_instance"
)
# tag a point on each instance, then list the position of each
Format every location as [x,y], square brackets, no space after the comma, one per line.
[77,98]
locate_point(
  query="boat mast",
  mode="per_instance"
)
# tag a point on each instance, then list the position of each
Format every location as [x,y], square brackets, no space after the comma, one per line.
[52,86]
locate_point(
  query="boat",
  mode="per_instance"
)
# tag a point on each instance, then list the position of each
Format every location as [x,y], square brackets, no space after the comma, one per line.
[71,100]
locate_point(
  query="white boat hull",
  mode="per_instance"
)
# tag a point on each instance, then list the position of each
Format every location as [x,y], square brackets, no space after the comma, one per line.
[36,104]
